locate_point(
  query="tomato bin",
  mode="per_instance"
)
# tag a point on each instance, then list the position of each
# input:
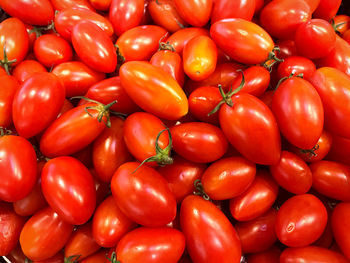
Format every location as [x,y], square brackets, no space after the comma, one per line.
[175,131]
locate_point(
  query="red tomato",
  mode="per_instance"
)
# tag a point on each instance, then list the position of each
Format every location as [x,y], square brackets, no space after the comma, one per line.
[202,8]
[199,142]
[296,65]
[69,189]
[346,36]
[153,245]
[228,177]
[154,90]
[339,150]
[101,5]
[34,12]
[98,257]
[287,48]
[331,179]
[252,43]
[333,87]
[312,4]
[269,256]
[17,168]
[340,225]
[57,258]
[27,68]
[199,58]
[42,92]
[44,234]
[7,93]
[76,77]
[125,14]
[258,234]
[327,9]
[233,9]
[292,173]
[301,220]
[256,200]
[61,5]
[282,18]
[109,223]
[152,203]
[341,23]
[207,241]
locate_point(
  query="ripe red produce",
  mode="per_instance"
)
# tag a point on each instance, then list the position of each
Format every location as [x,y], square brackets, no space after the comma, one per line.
[27,68]
[202,9]
[339,225]
[7,93]
[327,9]
[296,65]
[233,9]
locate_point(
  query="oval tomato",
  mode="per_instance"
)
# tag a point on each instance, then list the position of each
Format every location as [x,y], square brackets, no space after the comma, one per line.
[101,5]
[233,9]
[287,48]
[269,256]
[186,8]
[340,225]
[339,150]
[27,68]
[296,65]
[7,94]
[327,9]
[61,5]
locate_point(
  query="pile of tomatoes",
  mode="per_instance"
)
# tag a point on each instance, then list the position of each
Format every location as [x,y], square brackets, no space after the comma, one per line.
[165,131]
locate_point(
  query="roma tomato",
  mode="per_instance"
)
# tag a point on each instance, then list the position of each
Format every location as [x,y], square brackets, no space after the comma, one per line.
[199,58]
[98,257]
[208,242]
[199,142]
[61,5]
[233,9]
[313,4]
[256,200]
[341,24]
[339,150]
[154,90]
[153,245]
[252,43]
[296,65]
[17,168]
[301,220]
[44,234]
[200,17]
[101,5]
[327,9]
[42,92]
[340,225]
[110,224]
[269,256]
[228,177]
[7,93]
[152,203]
[27,68]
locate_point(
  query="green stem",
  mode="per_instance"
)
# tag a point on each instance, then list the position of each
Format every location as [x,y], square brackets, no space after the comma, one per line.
[272,56]
[4,131]
[113,258]
[301,75]
[72,259]
[200,190]
[310,152]
[6,63]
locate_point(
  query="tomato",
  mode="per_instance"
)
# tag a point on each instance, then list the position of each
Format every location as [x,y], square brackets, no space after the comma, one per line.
[199,58]
[340,225]
[57,258]
[199,142]
[85,156]
[202,8]
[61,5]
[333,87]
[109,223]
[81,243]
[153,245]
[331,179]
[101,5]
[181,175]
[339,150]
[44,234]
[68,18]
[98,257]
[34,12]
[17,168]
[296,65]
[327,9]
[292,173]
[301,220]
[346,36]
[170,62]
[233,9]
[26,68]
[287,48]
[76,77]
[282,18]
[313,4]
[256,200]
[7,93]
[16,255]
[10,227]
[207,241]
[69,189]
[252,43]
[140,43]
[341,23]
[152,203]
[228,177]
[154,90]
[258,234]
[42,92]
[311,254]
[269,256]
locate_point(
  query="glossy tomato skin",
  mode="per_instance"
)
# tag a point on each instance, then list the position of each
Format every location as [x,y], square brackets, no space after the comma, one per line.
[10,227]
[199,58]
[269,256]
[42,92]
[7,94]
[292,173]
[331,179]
[287,48]
[17,168]
[152,203]
[34,12]
[301,220]
[333,87]
[44,234]
[299,112]
[208,242]
[339,227]
[147,84]
[199,142]
[258,140]
[61,5]
[297,65]
[101,5]
[251,47]
[233,9]
[26,68]
[202,15]
[62,136]
[228,177]
[154,245]
[110,224]
[327,9]
[256,200]
[339,150]
[77,77]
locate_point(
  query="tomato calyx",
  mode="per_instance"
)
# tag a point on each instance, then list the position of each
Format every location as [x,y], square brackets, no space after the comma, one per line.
[162,156]
[6,63]
[226,97]
[38,30]
[72,259]
[165,45]
[301,75]
[113,258]
[336,26]
[199,190]
[310,152]
[272,59]
[4,131]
